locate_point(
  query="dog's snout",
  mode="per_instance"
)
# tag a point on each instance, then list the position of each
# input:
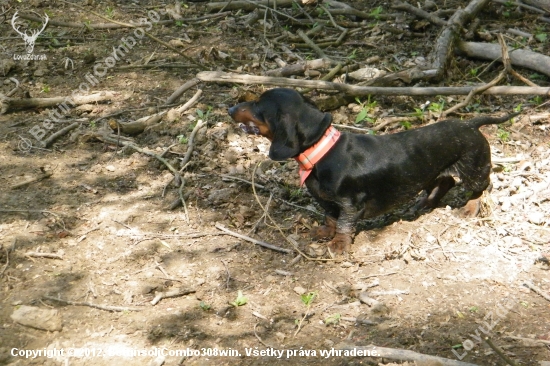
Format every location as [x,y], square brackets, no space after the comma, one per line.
[232,110]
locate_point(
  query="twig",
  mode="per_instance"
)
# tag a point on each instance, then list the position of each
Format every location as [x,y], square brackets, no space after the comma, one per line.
[50,140]
[190,143]
[480,89]
[536,289]
[172,293]
[312,44]
[7,258]
[499,352]
[182,89]
[406,355]
[43,255]
[100,307]
[202,67]
[254,241]
[32,180]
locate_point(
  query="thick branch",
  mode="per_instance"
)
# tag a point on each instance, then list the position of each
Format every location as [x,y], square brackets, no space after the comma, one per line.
[218,76]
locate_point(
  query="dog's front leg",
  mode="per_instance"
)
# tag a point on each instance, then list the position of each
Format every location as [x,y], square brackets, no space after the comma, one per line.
[345,228]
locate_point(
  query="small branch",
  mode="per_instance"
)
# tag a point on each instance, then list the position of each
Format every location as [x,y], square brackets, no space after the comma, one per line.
[499,352]
[50,140]
[536,289]
[182,89]
[100,307]
[406,355]
[254,241]
[172,293]
[32,180]
[43,255]
[312,44]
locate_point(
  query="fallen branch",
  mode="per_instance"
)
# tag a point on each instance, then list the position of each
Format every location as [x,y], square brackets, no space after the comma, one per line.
[100,307]
[138,126]
[406,355]
[32,180]
[62,132]
[536,289]
[522,58]
[254,241]
[10,104]
[172,293]
[43,255]
[219,76]
[499,352]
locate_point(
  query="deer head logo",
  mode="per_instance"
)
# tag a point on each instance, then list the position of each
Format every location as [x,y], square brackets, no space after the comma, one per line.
[29,38]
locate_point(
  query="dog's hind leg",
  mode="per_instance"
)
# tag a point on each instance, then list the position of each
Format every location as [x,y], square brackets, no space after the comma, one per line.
[435,192]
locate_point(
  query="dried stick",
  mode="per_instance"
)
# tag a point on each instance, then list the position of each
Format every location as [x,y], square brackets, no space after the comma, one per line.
[172,293]
[149,35]
[254,241]
[219,76]
[100,307]
[50,140]
[9,104]
[406,355]
[43,255]
[312,44]
[482,88]
[499,352]
[419,13]
[536,289]
[32,180]
[182,89]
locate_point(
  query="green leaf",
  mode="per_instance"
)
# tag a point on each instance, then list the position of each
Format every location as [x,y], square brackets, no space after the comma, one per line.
[240,300]
[361,116]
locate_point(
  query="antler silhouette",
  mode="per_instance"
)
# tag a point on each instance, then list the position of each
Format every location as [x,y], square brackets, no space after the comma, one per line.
[29,39]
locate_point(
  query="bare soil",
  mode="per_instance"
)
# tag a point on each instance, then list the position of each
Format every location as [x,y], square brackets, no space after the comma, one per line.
[441,282]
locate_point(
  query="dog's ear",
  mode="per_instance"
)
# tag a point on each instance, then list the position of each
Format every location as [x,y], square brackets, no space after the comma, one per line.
[296,124]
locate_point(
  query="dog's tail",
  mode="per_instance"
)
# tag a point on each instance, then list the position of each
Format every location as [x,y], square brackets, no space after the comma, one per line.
[486,120]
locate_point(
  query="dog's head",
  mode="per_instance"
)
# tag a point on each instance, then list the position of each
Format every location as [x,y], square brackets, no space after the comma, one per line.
[292,122]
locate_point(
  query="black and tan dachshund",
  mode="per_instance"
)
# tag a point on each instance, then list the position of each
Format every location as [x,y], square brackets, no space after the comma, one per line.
[355,176]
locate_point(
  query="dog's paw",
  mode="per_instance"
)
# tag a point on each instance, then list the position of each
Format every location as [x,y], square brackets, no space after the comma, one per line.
[471,209]
[322,232]
[340,243]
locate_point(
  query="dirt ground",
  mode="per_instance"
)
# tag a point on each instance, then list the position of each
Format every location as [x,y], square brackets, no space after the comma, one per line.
[97,242]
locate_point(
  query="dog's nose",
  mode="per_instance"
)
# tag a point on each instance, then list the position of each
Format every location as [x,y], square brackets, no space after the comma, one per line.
[232,110]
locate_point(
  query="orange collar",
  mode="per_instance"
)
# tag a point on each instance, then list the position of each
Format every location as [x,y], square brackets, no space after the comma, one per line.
[313,154]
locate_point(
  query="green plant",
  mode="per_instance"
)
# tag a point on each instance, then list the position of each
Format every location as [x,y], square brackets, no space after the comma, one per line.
[182,139]
[537,99]
[352,55]
[437,107]
[503,135]
[45,89]
[474,71]
[202,115]
[333,319]
[406,124]
[307,299]
[366,109]
[110,12]
[376,12]
[204,306]
[240,300]
[541,37]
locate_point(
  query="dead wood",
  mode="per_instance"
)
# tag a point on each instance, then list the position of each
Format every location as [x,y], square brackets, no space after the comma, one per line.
[406,355]
[11,104]
[100,307]
[172,293]
[300,68]
[138,126]
[522,58]
[445,41]
[218,76]
[419,13]
[182,89]
[32,180]
[62,132]
[247,5]
[254,241]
